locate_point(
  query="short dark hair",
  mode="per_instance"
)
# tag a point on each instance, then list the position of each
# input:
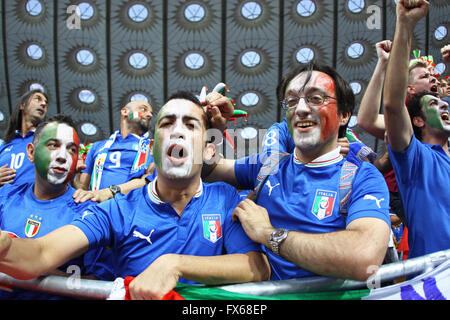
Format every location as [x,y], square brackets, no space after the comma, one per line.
[59,118]
[344,94]
[15,120]
[415,109]
[186,95]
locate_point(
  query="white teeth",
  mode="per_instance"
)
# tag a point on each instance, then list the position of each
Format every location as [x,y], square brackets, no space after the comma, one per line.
[305,124]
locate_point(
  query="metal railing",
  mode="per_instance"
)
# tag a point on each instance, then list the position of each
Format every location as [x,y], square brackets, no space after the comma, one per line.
[97,289]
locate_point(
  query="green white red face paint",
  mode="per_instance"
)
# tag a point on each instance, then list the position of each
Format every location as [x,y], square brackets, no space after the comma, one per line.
[436,113]
[311,125]
[135,115]
[178,136]
[56,153]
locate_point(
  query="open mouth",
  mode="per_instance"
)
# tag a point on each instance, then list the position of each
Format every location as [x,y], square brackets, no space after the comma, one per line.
[434,88]
[444,116]
[306,124]
[177,153]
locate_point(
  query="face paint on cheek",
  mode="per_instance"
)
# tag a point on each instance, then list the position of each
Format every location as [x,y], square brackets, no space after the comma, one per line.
[327,113]
[42,155]
[431,113]
[329,122]
[289,123]
[157,149]
[135,115]
[74,157]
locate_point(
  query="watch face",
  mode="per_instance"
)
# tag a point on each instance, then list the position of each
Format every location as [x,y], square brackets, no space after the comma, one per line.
[115,188]
[278,233]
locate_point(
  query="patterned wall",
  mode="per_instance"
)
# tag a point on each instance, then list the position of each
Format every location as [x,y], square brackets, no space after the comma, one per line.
[93,56]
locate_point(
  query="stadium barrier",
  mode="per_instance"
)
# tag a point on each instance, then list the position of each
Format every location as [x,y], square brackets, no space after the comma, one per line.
[97,289]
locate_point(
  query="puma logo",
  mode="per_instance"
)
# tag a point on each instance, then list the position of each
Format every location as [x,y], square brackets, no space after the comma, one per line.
[370,197]
[269,185]
[139,235]
[86,213]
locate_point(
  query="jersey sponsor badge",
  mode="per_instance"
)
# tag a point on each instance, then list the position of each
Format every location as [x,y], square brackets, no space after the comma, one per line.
[212,227]
[324,203]
[32,228]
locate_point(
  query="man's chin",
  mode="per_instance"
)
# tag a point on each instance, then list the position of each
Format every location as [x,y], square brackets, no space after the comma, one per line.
[175,173]
[306,142]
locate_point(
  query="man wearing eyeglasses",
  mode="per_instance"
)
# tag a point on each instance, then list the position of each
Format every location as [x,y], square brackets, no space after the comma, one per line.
[297,216]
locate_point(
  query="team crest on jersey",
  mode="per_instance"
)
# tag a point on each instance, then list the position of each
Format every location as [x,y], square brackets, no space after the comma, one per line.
[212,227]
[32,228]
[324,203]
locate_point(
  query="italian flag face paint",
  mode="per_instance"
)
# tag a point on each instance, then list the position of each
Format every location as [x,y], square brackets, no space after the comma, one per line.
[435,113]
[135,115]
[56,154]
[324,118]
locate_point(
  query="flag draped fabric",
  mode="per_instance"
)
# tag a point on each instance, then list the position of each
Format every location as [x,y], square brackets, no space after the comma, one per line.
[432,285]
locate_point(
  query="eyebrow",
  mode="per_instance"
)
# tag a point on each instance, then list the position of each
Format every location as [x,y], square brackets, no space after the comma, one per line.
[58,140]
[185,118]
[306,88]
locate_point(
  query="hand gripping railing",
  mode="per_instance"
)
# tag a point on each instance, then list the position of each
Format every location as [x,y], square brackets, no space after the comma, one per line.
[96,289]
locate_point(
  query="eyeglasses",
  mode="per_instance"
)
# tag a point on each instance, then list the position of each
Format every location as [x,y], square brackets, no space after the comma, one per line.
[312,101]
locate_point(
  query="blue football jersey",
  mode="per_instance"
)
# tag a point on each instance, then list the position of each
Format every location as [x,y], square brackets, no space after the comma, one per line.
[305,198]
[25,216]
[139,227]
[423,179]
[14,154]
[118,162]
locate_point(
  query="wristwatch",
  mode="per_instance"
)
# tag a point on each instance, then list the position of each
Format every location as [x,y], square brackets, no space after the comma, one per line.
[114,189]
[276,238]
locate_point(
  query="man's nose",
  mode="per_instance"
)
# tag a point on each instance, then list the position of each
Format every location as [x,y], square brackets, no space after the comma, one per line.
[61,155]
[177,131]
[302,106]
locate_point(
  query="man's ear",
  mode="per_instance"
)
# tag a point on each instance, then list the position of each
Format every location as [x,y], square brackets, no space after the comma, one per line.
[209,151]
[124,112]
[410,90]
[344,118]
[30,152]
[418,122]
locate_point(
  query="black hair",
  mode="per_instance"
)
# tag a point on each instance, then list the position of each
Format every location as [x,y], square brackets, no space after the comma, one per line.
[186,95]
[59,118]
[344,94]
[15,120]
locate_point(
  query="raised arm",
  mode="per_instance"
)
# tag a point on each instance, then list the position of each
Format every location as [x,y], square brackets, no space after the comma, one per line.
[398,125]
[445,51]
[369,117]
[28,258]
[223,170]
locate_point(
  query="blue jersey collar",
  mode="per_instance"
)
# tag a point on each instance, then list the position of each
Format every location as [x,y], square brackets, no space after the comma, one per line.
[29,133]
[153,195]
[327,159]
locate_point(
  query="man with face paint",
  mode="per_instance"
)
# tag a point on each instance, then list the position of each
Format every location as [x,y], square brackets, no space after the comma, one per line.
[29,112]
[176,228]
[120,163]
[418,144]
[297,218]
[34,209]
